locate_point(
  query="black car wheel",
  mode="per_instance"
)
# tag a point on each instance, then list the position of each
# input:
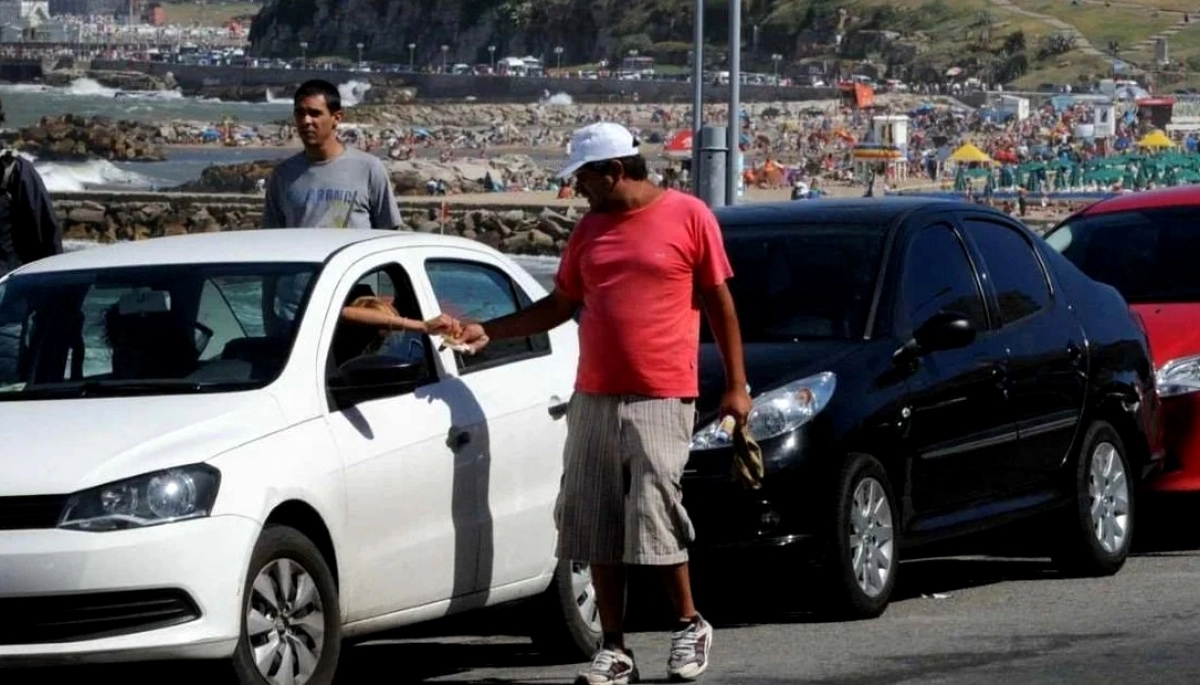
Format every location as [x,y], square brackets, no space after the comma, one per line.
[1098,525]
[863,546]
[291,620]
[567,623]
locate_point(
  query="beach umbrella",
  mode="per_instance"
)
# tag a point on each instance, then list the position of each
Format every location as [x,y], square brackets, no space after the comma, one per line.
[989,183]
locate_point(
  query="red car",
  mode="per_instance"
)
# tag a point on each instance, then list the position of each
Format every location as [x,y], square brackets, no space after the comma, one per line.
[1147,246]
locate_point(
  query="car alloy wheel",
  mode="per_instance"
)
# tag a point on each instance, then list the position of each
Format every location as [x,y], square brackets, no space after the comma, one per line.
[1108,487]
[291,618]
[285,623]
[872,542]
[566,620]
[1097,528]
[585,595]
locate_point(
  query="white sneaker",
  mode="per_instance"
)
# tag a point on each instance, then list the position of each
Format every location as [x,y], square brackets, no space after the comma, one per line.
[689,650]
[610,667]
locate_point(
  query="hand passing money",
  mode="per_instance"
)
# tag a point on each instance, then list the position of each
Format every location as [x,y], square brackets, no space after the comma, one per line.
[464,339]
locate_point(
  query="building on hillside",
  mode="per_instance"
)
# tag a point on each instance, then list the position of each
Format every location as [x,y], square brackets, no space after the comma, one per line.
[24,21]
[86,7]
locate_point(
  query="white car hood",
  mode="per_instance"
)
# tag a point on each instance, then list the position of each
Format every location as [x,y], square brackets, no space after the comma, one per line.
[56,447]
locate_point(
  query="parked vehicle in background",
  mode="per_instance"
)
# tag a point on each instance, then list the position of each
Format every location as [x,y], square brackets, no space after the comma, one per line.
[208,461]
[1145,245]
[921,370]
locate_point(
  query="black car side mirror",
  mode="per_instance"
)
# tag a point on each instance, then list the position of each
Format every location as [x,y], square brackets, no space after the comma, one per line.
[371,370]
[942,331]
[373,376]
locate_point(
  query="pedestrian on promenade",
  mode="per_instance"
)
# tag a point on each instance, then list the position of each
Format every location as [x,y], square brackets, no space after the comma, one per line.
[635,263]
[328,185]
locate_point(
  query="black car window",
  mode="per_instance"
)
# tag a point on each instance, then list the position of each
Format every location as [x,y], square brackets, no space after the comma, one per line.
[802,281]
[1149,255]
[938,277]
[1016,273]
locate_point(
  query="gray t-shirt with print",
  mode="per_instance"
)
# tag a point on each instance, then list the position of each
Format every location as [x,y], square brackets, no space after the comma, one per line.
[352,190]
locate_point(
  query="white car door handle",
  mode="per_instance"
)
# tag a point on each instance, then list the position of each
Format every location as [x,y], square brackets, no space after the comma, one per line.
[558,408]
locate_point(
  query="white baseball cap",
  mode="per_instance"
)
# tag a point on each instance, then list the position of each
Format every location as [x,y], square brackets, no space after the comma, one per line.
[597,143]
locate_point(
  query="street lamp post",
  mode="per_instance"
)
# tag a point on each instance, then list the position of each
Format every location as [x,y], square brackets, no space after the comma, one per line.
[360,49]
[558,59]
[776,58]
[304,54]
[733,161]
[697,92]
[492,57]
[411,49]
[445,49]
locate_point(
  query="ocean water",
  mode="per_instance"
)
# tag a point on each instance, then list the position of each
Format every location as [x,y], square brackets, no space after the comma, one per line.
[25,105]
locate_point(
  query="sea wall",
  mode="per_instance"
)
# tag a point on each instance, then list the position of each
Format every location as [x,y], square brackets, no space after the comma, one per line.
[433,87]
[105,217]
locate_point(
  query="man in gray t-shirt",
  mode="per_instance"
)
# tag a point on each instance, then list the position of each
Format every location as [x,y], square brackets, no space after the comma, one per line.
[328,185]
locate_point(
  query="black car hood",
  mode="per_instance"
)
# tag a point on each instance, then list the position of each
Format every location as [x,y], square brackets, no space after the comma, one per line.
[767,365]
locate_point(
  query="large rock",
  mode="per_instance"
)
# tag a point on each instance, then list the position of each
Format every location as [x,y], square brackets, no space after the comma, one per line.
[121,80]
[75,138]
[238,93]
[468,175]
[233,178]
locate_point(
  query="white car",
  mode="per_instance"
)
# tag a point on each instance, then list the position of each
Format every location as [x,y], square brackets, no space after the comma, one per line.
[201,462]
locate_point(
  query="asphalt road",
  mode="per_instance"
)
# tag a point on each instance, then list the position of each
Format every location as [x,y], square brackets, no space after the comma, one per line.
[963,619]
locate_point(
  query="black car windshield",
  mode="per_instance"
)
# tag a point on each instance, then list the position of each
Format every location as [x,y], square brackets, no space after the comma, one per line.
[803,281]
[148,330]
[1148,255]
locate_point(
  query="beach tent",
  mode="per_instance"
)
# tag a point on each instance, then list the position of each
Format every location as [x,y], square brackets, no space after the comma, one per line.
[1156,139]
[969,153]
[679,147]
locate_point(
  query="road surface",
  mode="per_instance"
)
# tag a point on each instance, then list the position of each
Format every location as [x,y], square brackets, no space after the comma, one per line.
[965,619]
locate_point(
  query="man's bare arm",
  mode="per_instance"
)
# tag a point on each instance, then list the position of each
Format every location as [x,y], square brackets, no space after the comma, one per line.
[549,312]
[722,318]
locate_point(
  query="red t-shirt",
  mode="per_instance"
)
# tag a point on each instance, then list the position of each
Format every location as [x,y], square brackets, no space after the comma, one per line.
[639,276]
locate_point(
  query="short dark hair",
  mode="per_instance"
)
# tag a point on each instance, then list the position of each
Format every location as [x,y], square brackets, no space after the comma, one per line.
[333,97]
[633,167]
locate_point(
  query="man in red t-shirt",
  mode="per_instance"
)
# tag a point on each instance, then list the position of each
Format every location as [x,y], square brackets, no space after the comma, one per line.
[642,263]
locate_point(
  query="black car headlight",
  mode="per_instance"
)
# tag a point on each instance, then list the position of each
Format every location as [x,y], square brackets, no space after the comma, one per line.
[776,412]
[152,499]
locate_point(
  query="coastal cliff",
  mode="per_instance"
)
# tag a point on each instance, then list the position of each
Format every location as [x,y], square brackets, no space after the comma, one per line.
[466,27]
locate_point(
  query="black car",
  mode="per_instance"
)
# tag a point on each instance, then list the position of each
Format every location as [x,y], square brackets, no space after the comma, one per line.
[921,369]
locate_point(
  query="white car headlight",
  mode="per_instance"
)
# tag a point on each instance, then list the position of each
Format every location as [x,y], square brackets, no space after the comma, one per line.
[179,494]
[776,412]
[1178,377]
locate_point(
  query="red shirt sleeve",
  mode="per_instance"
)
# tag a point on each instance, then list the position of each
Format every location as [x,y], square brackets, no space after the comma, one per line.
[712,264]
[568,281]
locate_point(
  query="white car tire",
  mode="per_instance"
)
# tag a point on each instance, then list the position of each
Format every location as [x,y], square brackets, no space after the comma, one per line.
[291,619]
[566,625]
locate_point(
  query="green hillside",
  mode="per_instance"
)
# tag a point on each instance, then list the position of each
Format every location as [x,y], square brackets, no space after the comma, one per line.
[1019,42]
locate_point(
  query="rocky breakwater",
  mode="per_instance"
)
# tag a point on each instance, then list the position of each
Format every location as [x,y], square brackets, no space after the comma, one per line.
[120,80]
[107,217]
[75,138]
[409,177]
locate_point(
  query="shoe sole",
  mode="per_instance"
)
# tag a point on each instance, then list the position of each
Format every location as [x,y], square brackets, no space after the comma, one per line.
[634,677]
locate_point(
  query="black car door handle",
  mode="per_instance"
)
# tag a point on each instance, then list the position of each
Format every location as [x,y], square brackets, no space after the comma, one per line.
[558,408]
[460,438]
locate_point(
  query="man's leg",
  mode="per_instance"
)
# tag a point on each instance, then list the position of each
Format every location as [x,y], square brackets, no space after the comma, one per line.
[679,587]
[609,581]
[590,515]
[656,436]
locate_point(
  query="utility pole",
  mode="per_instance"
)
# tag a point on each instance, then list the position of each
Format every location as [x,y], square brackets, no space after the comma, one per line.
[697,95]
[732,167]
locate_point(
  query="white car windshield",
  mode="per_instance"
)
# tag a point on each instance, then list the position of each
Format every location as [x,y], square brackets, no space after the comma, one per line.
[167,329]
